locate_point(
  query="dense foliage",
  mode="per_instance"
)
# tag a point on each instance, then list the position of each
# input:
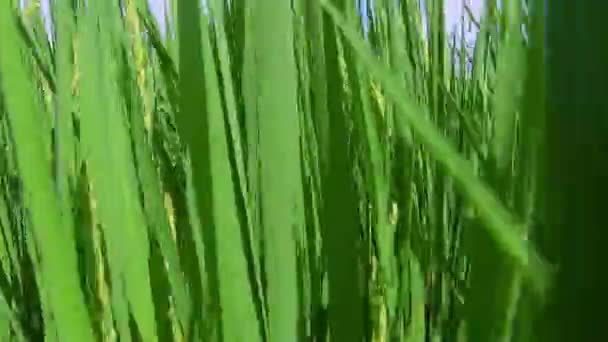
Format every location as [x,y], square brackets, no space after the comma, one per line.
[268,170]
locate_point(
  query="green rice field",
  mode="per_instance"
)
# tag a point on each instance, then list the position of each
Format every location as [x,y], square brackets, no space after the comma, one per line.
[302,170]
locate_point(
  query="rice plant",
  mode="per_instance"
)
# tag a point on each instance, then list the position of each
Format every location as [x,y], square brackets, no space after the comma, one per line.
[304,170]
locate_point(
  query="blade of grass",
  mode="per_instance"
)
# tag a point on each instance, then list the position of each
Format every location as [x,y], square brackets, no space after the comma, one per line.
[115,187]
[239,315]
[192,125]
[201,123]
[234,128]
[156,214]
[339,204]
[280,174]
[64,141]
[50,228]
